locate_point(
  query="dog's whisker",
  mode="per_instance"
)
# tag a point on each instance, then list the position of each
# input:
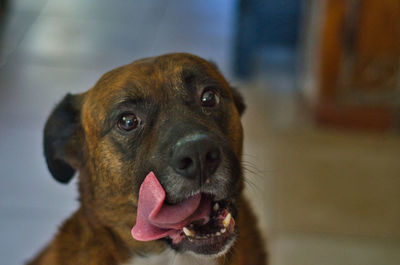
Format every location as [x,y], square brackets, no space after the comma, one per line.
[255,167]
[253,177]
[250,155]
[248,179]
[252,165]
[252,170]
[253,186]
[252,173]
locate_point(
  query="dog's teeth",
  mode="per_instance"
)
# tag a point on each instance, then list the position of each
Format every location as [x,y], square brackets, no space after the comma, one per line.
[208,235]
[216,207]
[223,230]
[227,220]
[188,232]
[218,233]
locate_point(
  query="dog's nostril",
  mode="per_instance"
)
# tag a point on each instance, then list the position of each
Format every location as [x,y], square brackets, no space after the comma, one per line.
[185,163]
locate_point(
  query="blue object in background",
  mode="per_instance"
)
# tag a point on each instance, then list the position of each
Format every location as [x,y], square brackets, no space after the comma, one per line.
[264,24]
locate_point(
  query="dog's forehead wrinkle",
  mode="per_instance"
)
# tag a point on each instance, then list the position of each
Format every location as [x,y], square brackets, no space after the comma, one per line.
[176,71]
[163,80]
[127,81]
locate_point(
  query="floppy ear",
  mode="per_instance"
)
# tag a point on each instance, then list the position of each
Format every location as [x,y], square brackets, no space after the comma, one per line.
[61,139]
[238,99]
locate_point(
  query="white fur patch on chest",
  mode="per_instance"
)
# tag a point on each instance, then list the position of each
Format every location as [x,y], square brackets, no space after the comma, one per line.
[171,258]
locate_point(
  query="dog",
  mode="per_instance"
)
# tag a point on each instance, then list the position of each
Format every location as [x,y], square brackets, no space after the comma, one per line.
[157,144]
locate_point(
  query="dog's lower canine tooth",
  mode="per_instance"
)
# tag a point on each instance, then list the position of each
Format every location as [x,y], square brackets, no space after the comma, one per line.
[216,207]
[188,232]
[223,230]
[218,233]
[227,220]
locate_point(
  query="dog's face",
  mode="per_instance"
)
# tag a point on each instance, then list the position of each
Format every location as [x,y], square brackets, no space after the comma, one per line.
[174,115]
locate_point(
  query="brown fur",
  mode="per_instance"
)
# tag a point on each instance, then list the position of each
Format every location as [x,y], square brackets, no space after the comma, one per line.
[99,231]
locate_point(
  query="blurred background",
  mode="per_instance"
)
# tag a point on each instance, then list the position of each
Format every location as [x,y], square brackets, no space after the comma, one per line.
[321,79]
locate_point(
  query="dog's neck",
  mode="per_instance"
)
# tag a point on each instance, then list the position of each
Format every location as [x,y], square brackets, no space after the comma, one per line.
[170,257]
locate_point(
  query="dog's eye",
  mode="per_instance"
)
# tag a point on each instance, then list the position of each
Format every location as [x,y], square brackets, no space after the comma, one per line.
[210,98]
[128,122]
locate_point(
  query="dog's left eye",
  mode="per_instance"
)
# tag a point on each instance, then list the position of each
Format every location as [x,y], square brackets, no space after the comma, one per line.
[128,122]
[209,98]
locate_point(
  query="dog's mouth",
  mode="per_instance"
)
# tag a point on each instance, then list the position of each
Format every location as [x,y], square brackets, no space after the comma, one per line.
[211,238]
[197,224]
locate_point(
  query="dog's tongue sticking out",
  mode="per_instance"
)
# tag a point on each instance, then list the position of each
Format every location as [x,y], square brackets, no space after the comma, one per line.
[156,219]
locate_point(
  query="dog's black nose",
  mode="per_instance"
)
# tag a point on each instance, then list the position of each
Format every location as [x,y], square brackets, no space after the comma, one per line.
[196,156]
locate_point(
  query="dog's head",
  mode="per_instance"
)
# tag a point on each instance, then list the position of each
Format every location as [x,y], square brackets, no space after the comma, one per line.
[175,116]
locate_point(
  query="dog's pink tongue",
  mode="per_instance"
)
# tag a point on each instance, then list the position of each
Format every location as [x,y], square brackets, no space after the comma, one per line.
[157,220]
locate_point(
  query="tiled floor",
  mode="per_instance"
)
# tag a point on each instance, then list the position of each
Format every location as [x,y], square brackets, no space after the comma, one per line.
[323,196]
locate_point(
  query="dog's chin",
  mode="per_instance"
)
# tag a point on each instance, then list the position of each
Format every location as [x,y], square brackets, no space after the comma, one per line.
[212,239]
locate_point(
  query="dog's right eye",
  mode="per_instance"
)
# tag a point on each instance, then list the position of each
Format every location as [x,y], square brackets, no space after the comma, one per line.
[128,122]
[209,98]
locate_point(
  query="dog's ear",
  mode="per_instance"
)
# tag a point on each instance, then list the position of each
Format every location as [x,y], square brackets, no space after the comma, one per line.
[238,99]
[61,138]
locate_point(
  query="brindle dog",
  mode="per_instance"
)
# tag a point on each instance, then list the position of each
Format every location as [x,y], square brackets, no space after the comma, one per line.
[174,115]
